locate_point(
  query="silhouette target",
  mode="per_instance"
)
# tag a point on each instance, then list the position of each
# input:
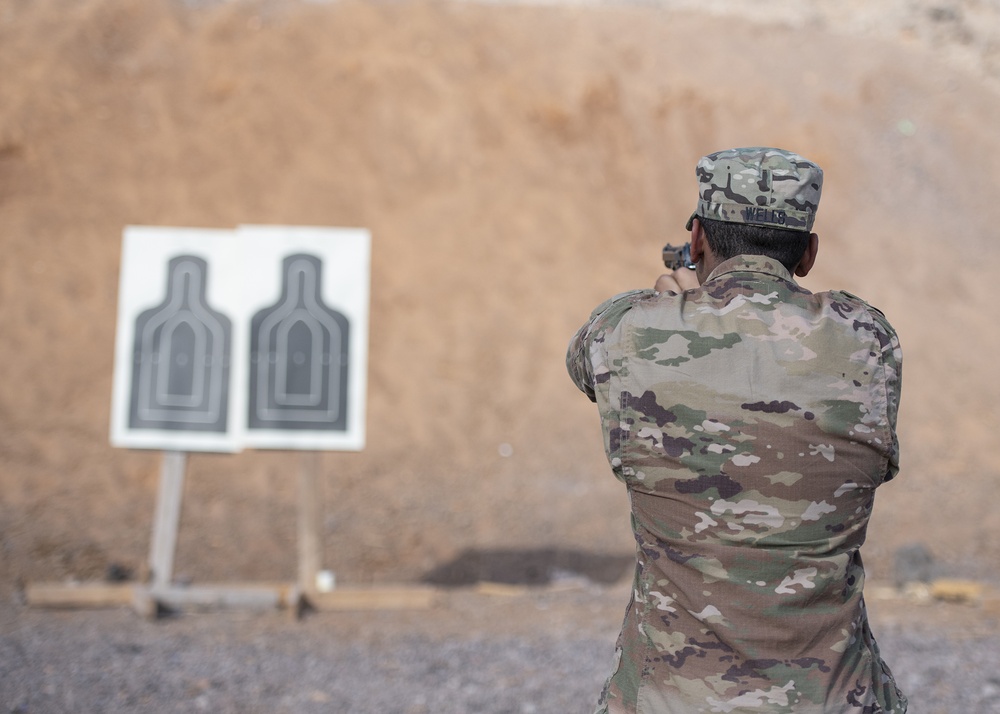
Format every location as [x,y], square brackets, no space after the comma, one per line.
[299,356]
[180,357]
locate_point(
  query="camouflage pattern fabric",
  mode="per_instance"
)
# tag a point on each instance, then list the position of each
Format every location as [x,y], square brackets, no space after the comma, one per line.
[751,421]
[759,185]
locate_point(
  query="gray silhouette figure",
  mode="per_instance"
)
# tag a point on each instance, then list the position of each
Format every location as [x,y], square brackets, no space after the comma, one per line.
[299,356]
[180,357]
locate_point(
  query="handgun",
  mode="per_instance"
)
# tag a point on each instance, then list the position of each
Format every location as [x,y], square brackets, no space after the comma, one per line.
[675,257]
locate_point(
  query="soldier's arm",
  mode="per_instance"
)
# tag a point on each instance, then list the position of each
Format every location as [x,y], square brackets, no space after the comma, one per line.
[892,362]
[585,356]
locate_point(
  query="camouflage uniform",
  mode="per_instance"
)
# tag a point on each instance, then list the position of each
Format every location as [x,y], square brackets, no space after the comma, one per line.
[751,421]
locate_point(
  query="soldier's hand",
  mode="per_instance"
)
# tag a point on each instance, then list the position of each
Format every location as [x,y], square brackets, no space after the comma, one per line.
[677,282]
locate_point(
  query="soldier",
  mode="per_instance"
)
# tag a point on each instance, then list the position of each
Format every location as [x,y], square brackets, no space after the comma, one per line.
[751,422]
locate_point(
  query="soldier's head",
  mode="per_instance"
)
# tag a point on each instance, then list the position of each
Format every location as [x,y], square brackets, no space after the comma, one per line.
[759,201]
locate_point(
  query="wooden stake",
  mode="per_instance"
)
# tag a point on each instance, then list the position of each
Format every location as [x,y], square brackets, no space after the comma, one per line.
[167,518]
[310,551]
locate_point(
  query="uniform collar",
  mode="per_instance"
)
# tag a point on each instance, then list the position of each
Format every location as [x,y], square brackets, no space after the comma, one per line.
[752,264]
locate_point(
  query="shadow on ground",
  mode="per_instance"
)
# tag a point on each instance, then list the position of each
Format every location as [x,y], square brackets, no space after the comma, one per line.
[529,567]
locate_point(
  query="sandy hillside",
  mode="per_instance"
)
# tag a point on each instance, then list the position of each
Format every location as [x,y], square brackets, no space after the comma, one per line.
[515,165]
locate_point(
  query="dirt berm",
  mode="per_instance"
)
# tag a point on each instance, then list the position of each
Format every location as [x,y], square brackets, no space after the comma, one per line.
[515,165]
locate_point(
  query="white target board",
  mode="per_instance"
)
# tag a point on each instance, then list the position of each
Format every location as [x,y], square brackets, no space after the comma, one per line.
[255,337]
[306,291]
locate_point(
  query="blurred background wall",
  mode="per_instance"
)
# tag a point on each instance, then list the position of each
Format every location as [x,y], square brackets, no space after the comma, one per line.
[516,165]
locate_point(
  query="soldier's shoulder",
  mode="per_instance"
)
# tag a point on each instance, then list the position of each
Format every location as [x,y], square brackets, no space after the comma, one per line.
[613,308]
[860,304]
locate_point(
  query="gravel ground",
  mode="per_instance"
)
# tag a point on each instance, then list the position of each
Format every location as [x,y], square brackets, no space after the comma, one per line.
[540,651]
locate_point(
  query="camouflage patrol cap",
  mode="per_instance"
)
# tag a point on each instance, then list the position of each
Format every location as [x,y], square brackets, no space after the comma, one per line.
[758,185]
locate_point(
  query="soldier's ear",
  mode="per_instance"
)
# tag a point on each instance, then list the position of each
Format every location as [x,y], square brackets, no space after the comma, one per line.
[808,257]
[697,240]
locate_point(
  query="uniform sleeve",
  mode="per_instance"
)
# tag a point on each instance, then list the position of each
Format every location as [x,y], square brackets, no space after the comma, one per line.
[892,362]
[586,359]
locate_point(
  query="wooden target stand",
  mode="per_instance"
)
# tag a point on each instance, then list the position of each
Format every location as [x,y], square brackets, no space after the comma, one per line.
[162,595]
